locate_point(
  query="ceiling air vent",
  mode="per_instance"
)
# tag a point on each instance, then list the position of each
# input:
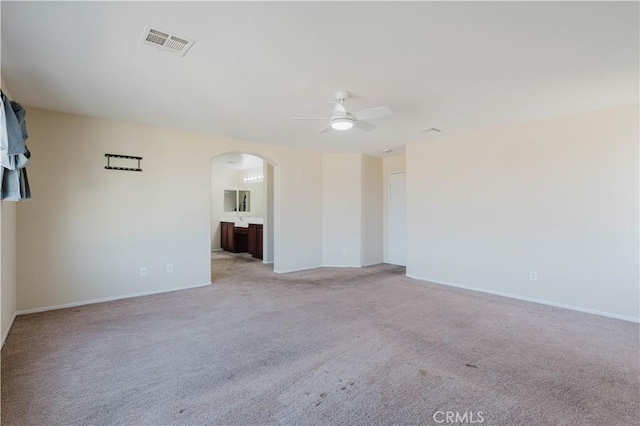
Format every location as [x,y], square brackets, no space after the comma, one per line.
[163,40]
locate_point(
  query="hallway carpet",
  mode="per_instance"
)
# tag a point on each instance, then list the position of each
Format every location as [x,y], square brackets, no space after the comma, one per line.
[321,347]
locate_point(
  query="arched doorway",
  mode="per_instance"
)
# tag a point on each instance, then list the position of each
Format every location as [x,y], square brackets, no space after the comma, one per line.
[242,211]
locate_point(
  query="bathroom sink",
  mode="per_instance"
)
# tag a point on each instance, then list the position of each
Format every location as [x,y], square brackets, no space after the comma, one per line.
[242,222]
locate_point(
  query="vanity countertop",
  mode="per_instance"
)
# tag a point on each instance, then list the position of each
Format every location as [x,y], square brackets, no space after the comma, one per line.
[242,222]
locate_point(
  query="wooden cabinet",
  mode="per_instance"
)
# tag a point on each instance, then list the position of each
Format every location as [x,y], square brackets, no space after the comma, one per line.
[251,239]
[254,240]
[259,243]
[224,235]
[232,238]
[239,240]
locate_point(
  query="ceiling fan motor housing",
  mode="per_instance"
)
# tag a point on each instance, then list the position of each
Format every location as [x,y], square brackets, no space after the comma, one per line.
[341,95]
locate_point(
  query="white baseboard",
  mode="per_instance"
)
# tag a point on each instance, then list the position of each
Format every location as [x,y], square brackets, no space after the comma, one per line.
[352,266]
[6,333]
[107,299]
[316,267]
[296,270]
[530,299]
[341,266]
[268,262]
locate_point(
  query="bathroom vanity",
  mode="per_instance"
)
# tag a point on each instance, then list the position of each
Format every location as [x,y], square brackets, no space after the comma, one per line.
[239,235]
[233,238]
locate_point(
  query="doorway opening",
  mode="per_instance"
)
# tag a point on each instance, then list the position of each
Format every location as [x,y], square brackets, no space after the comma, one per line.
[242,214]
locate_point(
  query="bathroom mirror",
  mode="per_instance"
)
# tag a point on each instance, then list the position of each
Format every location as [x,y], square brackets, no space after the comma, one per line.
[237,201]
[230,201]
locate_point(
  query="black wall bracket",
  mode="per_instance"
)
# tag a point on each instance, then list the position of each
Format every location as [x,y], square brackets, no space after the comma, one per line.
[128,157]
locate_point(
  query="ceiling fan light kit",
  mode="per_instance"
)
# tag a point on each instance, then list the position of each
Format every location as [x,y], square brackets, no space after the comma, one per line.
[341,119]
[342,123]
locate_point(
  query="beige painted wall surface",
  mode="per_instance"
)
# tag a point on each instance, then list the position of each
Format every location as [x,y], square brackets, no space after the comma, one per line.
[299,215]
[88,230]
[389,165]
[7,257]
[341,209]
[559,197]
[268,220]
[8,264]
[372,207]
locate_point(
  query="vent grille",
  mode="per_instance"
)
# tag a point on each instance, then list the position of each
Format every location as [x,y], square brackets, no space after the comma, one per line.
[164,40]
[156,37]
[176,44]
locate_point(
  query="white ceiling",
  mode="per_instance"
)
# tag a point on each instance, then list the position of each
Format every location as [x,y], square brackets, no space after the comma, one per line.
[459,66]
[238,161]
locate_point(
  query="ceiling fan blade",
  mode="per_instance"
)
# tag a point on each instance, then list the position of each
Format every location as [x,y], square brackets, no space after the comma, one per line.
[363,125]
[309,118]
[371,113]
[326,128]
[338,108]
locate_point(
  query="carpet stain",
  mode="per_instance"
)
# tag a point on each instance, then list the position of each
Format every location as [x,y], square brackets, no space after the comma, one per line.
[471,365]
[181,410]
[423,372]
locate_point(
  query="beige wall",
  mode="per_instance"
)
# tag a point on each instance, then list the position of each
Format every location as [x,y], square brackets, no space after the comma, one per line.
[351,210]
[7,259]
[88,230]
[341,210]
[8,264]
[268,220]
[299,215]
[372,206]
[389,165]
[559,197]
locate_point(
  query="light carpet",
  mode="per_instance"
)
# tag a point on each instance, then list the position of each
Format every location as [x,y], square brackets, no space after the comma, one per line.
[322,347]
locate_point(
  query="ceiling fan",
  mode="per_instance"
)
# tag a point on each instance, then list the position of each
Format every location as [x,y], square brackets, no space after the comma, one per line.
[341,119]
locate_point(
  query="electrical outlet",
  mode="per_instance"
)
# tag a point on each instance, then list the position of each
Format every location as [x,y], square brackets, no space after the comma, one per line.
[143,271]
[169,267]
[533,276]
[345,251]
